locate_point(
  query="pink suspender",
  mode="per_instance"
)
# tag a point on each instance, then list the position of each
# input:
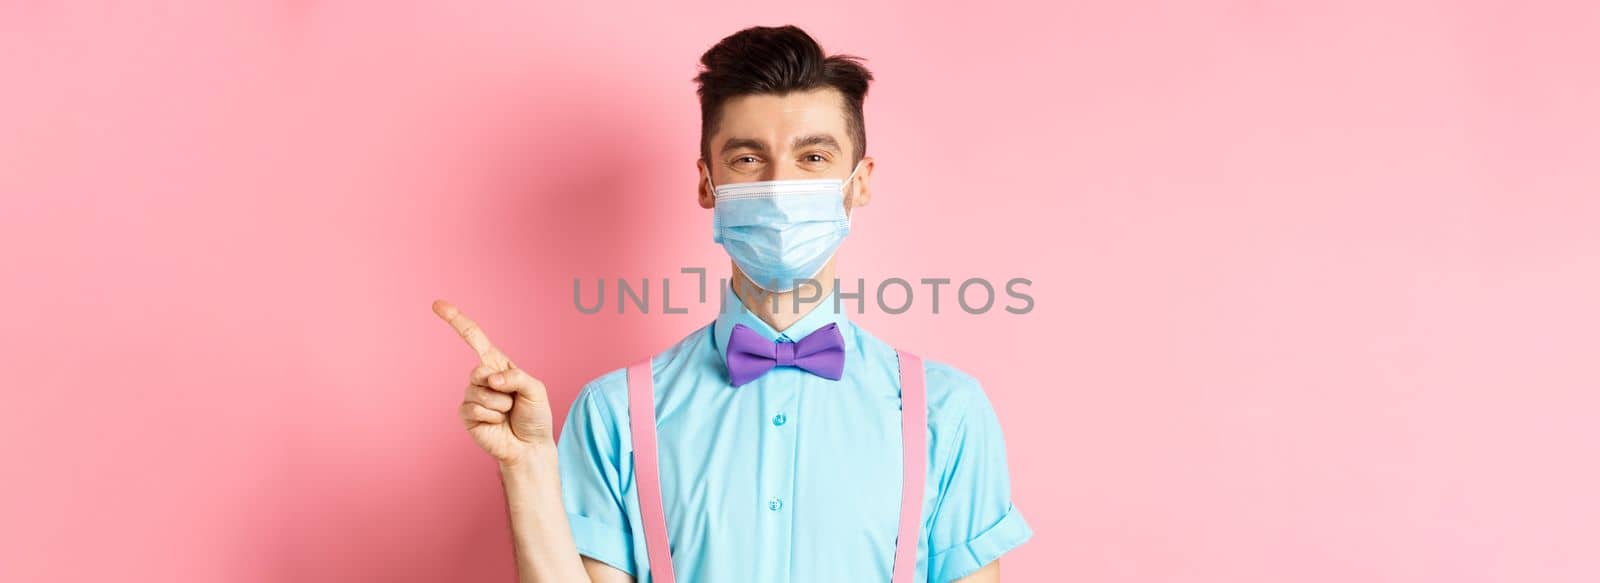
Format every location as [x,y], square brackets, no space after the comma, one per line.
[642,419]
[913,427]
[647,477]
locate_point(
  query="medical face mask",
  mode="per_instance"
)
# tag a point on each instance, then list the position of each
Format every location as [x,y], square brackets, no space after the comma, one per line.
[780,232]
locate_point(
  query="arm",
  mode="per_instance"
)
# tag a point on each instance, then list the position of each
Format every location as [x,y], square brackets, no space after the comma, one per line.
[507,412]
[974,522]
[540,534]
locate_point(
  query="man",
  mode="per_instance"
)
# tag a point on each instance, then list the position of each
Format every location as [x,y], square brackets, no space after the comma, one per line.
[778,426]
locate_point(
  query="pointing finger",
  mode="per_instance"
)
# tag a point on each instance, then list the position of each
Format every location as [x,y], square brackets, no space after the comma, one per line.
[466,328]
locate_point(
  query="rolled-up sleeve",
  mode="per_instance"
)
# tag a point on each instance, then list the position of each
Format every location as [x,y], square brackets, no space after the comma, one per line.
[590,454]
[974,521]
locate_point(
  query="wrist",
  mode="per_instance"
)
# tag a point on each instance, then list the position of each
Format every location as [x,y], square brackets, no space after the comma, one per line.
[535,457]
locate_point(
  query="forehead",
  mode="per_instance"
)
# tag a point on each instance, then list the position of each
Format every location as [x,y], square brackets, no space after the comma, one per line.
[775,119]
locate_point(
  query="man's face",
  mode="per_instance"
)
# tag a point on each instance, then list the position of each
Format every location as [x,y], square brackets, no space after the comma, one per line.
[802,135]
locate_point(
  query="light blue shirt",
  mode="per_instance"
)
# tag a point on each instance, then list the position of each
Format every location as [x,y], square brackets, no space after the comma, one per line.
[791,477]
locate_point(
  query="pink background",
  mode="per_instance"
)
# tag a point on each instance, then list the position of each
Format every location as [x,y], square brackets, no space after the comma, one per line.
[1316,287]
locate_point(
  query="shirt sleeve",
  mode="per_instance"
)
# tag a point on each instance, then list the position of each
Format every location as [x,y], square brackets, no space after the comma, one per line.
[974,520]
[590,455]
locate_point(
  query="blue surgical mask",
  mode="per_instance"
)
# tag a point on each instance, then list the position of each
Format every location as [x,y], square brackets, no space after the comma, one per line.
[781,232]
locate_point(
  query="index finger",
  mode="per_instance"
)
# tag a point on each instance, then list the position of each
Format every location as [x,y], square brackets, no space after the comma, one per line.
[465,327]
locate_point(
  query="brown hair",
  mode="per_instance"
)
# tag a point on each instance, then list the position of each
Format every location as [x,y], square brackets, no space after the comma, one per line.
[778,60]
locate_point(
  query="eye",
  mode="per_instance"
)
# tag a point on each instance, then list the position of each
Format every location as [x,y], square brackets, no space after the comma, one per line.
[815,160]
[746,159]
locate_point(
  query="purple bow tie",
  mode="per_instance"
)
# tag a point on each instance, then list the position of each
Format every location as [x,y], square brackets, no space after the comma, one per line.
[751,355]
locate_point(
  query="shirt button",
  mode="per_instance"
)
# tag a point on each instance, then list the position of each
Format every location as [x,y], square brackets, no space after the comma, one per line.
[779,419]
[775,504]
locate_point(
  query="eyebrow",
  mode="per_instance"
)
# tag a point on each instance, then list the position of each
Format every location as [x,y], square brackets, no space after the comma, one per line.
[742,144]
[825,140]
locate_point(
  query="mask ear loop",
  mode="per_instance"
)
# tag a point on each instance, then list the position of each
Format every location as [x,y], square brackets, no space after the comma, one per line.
[849,214]
[716,217]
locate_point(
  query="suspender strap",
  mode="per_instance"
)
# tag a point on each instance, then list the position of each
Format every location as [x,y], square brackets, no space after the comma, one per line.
[914,440]
[913,424]
[646,475]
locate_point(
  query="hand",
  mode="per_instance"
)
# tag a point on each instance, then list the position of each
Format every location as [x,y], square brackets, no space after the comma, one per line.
[506,410]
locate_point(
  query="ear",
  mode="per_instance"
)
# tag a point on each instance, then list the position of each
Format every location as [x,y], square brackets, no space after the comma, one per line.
[861,193]
[707,197]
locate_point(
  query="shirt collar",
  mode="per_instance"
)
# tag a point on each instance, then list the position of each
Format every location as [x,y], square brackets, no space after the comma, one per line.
[733,311]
